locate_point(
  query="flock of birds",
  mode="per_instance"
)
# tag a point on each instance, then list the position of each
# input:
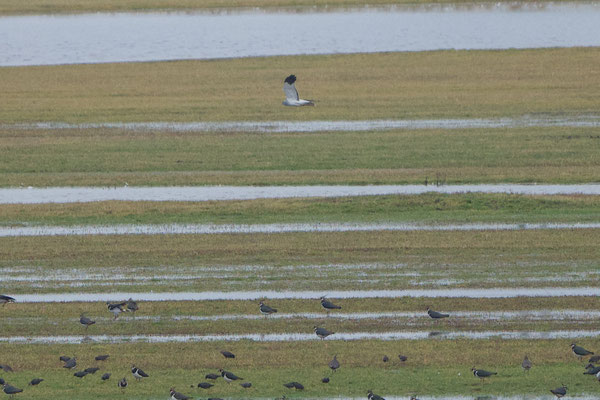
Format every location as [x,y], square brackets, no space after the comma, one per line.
[131,306]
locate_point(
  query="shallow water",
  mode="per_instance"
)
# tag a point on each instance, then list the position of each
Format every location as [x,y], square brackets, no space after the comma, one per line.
[321,126]
[202,229]
[348,294]
[118,37]
[301,337]
[208,193]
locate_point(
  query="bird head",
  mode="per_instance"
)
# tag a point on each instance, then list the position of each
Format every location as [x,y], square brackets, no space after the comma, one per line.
[261,303]
[573,345]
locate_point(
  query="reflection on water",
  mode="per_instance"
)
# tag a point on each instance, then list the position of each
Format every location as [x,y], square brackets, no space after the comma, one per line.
[91,38]
[215,193]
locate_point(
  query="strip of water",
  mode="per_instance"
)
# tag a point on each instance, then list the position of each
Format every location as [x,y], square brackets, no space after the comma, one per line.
[213,193]
[489,293]
[211,229]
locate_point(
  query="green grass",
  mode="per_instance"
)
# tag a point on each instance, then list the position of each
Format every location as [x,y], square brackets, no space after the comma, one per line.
[269,365]
[428,208]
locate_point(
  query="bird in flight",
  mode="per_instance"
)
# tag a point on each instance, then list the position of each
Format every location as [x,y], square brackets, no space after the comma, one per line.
[291,94]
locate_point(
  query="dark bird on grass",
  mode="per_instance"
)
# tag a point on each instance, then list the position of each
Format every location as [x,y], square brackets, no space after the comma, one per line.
[6,299]
[294,385]
[291,94]
[71,363]
[480,373]
[106,376]
[373,396]
[591,369]
[386,358]
[64,358]
[594,359]
[116,308]
[402,358]
[413,398]
[526,364]
[334,364]
[559,392]
[205,385]
[80,374]
[91,370]
[580,351]
[246,385]
[132,306]
[215,398]
[328,305]
[229,376]
[265,309]
[6,368]
[435,314]
[322,332]
[85,321]
[325,380]
[36,381]
[2,381]
[138,374]
[227,354]
[178,396]
[211,376]
[122,383]
[11,390]
[102,357]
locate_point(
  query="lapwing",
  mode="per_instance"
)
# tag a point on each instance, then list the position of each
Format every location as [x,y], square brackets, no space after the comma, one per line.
[435,314]
[178,396]
[6,299]
[246,385]
[386,358]
[64,358]
[91,370]
[294,385]
[580,351]
[115,308]
[85,321]
[138,374]
[322,332]
[402,357]
[325,380]
[594,359]
[559,392]
[215,398]
[80,374]
[265,309]
[229,376]
[480,373]
[2,381]
[334,364]
[106,376]
[122,384]
[132,306]
[373,396]
[205,385]
[6,367]
[211,376]
[102,357]
[413,398]
[591,370]
[71,363]
[35,381]
[328,305]
[291,94]
[227,354]
[10,390]
[526,364]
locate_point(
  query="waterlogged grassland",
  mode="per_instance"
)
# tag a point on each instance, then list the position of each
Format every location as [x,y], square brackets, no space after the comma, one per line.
[75,157]
[420,85]
[430,208]
[269,365]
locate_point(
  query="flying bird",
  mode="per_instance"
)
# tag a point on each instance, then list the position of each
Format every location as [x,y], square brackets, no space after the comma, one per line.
[291,94]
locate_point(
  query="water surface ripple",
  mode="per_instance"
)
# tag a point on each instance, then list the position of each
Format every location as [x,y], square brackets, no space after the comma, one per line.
[214,193]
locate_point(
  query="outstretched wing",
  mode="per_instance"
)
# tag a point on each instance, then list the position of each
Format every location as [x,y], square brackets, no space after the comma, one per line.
[290,91]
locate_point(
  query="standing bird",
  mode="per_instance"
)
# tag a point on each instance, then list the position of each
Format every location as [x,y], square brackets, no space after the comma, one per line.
[594,359]
[402,358]
[526,364]
[480,373]
[386,358]
[6,299]
[265,309]
[85,321]
[328,305]
[229,376]
[138,374]
[227,354]
[178,396]
[580,351]
[559,392]
[334,364]
[372,396]
[122,383]
[291,94]
[115,308]
[36,381]
[11,390]
[71,363]
[435,314]
[322,332]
